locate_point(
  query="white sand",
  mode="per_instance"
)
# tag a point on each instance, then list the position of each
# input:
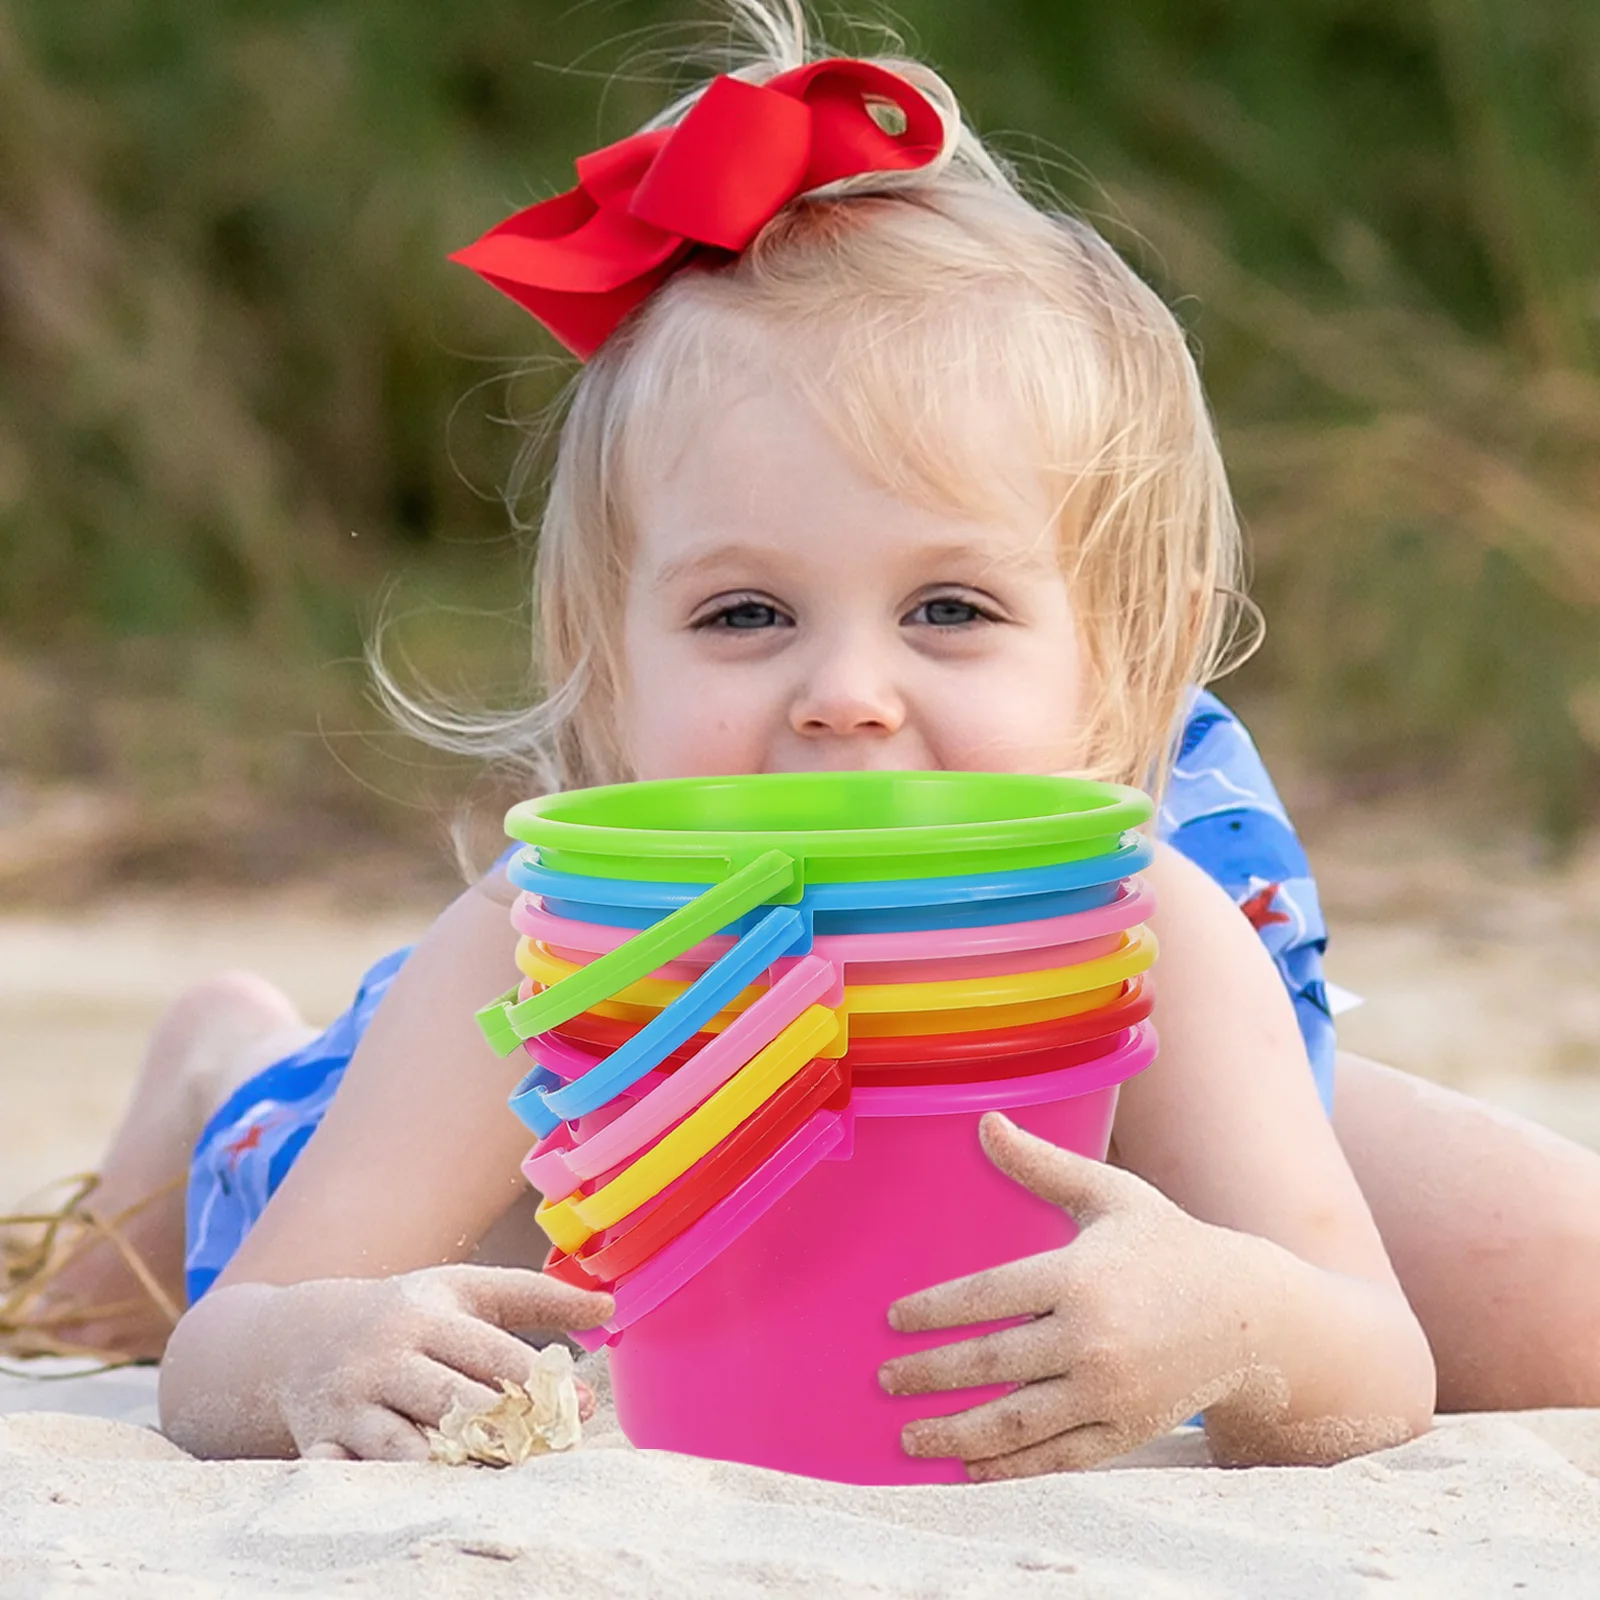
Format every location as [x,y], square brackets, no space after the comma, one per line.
[1485,1505]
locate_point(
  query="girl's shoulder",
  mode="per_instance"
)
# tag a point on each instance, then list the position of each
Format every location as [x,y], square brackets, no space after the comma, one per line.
[1221,808]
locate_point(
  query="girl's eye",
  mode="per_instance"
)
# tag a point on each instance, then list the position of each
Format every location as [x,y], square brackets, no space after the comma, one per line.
[744,616]
[945,611]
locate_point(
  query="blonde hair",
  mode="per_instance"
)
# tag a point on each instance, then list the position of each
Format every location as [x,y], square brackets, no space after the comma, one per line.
[892,301]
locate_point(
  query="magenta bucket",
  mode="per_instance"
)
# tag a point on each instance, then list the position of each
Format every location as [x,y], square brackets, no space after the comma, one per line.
[769,1354]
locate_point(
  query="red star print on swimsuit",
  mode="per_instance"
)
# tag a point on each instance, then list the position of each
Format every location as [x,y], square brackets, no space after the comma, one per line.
[1258,908]
[248,1140]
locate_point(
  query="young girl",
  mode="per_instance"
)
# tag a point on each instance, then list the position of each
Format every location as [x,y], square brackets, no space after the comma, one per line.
[873,465]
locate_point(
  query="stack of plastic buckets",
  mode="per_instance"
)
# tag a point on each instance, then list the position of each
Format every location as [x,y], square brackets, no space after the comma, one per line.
[766,1014]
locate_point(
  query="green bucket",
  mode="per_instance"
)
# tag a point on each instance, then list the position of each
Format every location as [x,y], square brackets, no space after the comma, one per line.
[837,827]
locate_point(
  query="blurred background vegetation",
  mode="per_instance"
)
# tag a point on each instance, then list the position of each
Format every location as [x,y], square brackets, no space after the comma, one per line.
[244,397]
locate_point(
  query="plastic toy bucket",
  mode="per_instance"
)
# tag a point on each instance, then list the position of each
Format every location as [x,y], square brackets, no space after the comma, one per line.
[836,827]
[749,1013]
[897,905]
[906,957]
[610,1258]
[769,840]
[769,1354]
[898,1052]
[1088,966]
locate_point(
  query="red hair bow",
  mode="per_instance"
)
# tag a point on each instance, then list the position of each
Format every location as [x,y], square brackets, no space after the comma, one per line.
[643,206]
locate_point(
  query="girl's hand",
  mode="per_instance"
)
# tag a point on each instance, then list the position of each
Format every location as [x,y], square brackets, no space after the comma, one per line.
[350,1368]
[383,1356]
[1133,1328]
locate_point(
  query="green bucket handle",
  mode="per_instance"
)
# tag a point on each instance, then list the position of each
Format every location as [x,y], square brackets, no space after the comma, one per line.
[508,1022]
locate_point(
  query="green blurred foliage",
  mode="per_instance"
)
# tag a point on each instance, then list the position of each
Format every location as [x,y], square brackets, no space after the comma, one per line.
[241,388]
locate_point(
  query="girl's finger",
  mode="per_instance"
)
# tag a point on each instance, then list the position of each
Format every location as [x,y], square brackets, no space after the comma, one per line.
[1076,1450]
[422,1389]
[375,1433]
[1026,1288]
[478,1350]
[1014,1355]
[1085,1188]
[326,1450]
[1034,1413]
[430,1387]
[514,1297]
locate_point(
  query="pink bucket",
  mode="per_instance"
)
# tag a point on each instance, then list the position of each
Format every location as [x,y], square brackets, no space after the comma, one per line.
[770,1353]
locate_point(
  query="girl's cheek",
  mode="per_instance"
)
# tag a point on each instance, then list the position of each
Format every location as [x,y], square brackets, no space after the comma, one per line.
[686,717]
[1007,722]
[694,737]
[725,743]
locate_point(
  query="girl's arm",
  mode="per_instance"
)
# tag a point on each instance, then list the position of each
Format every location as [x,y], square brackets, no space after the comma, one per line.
[332,1330]
[1239,1273]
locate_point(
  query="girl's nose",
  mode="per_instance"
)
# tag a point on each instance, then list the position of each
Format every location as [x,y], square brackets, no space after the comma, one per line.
[844,700]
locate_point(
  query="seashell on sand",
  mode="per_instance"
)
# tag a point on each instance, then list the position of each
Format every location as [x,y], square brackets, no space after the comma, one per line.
[527,1420]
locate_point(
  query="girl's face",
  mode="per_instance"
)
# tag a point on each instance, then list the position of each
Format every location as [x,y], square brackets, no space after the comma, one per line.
[784,614]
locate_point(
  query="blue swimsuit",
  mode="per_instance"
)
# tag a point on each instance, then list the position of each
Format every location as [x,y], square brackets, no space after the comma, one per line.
[1220,810]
